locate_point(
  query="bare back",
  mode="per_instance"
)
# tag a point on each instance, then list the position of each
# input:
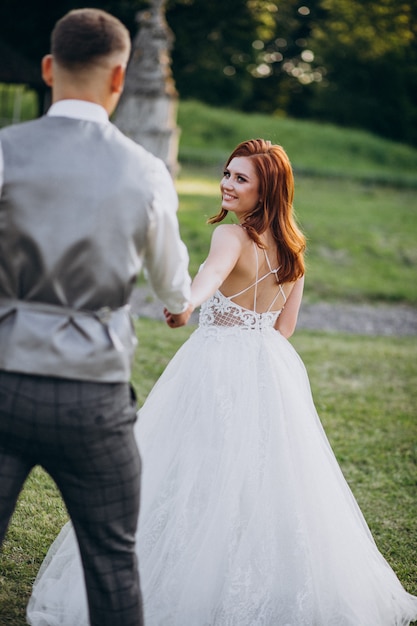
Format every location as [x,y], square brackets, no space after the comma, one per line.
[254,281]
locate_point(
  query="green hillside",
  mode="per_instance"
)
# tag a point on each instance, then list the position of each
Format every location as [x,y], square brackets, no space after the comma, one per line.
[208,135]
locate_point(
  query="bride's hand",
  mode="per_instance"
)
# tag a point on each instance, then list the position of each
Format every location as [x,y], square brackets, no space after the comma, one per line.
[175,320]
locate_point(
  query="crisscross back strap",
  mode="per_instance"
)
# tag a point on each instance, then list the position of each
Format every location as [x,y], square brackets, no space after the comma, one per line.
[259,280]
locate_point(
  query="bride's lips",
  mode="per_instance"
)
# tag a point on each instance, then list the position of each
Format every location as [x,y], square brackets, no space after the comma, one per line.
[227,196]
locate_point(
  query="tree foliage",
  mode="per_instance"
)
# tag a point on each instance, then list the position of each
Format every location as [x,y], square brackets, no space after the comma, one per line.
[212,51]
[237,56]
[353,62]
[369,48]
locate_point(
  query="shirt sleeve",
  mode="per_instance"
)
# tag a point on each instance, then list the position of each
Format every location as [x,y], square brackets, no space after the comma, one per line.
[166,257]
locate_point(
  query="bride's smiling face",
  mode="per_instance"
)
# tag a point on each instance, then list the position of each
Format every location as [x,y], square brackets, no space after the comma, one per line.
[240,187]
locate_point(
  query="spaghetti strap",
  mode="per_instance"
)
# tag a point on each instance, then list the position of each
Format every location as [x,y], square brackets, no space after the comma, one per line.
[258,280]
[280,289]
[280,292]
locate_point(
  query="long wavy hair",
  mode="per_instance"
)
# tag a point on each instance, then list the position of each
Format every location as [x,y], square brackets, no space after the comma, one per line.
[275,208]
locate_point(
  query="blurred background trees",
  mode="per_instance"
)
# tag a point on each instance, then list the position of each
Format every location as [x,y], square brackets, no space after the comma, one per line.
[351,62]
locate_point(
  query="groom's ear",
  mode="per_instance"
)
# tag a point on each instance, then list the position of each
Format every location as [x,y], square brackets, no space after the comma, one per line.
[118,79]
[47,70]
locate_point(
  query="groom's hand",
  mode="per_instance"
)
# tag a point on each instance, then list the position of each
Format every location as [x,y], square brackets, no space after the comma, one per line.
[175,320]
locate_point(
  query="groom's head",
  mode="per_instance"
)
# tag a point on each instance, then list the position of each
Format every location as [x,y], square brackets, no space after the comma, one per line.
[89,52]
[84,37]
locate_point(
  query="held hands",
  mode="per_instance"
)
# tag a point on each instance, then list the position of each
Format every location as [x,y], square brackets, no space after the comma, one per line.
[175,320]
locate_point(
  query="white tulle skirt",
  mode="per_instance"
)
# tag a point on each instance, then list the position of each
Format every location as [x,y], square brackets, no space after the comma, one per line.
[246,519]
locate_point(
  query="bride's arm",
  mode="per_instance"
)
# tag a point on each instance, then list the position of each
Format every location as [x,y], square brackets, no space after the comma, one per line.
[225,249]
[287,320]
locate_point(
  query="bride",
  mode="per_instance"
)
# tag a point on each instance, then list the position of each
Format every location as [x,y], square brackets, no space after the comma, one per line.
[246,519]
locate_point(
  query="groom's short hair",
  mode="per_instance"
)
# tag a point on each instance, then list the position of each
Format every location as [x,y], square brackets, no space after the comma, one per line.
[84,35]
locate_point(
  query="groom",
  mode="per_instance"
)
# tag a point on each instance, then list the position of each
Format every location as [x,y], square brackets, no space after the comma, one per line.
[82,210]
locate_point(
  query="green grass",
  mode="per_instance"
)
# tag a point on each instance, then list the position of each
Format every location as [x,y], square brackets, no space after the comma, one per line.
[208,135]
[362,240]
[38,517]
[365,390]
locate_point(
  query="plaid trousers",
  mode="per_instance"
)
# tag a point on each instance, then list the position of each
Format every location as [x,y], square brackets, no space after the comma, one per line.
[81,433]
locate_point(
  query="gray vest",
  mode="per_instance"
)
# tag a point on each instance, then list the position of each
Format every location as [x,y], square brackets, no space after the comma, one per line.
[74,213]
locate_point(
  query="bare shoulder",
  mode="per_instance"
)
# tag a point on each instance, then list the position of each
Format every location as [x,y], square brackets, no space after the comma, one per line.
[227,240]
[230,231]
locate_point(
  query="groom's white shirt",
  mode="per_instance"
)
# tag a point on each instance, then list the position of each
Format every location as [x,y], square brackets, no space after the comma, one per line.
[164,206]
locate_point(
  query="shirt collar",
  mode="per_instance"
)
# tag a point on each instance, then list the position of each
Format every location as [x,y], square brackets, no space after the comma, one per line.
[79,109]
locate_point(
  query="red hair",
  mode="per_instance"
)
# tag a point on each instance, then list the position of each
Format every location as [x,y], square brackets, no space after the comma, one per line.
[275,209]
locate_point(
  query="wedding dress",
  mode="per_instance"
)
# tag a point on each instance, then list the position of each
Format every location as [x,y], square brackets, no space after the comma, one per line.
[246,518]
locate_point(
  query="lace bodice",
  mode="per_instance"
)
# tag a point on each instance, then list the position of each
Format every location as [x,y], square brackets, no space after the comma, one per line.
[220,312]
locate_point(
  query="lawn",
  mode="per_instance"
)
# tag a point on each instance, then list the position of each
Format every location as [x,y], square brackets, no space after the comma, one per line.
[209,134]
